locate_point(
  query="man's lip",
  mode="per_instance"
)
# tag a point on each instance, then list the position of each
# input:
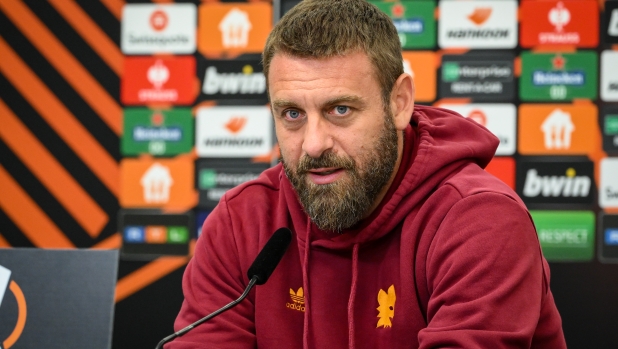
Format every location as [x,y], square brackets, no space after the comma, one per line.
[325,175]
[324,170]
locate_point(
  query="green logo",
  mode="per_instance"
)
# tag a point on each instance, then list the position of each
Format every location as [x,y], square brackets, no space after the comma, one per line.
[450,71]
[611,125]
[565,235]
[208,179]
[414,20]
[157,132]
[558,77]
[177,235]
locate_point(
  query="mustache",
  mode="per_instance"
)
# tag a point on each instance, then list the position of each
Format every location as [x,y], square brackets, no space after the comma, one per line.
[329,159]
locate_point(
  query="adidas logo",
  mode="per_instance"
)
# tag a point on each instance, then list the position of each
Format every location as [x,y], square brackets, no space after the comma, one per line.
[298,300]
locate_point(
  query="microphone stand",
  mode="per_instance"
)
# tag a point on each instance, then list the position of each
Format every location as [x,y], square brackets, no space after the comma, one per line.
[169,338]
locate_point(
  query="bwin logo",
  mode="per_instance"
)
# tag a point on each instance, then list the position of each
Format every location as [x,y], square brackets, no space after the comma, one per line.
[246,82]
[568,185]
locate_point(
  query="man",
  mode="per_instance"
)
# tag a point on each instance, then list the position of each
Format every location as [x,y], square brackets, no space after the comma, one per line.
[400,238]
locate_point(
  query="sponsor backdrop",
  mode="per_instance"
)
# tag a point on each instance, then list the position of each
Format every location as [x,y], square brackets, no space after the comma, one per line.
[122,123]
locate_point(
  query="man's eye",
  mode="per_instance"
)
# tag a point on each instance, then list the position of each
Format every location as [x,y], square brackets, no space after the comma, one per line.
[341,109]
[292,114]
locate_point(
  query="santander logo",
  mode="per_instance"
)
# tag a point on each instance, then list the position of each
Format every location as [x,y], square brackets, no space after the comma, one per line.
[159,20]
[235,124]
[480,15]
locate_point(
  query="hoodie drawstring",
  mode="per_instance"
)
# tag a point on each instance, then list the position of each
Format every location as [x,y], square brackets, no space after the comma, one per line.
[306,286]
[351,344]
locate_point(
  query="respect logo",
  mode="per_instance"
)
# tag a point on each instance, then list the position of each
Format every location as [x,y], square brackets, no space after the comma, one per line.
[6,284]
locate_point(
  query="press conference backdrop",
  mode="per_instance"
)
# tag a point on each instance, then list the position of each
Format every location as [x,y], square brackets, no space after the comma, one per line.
[123,123]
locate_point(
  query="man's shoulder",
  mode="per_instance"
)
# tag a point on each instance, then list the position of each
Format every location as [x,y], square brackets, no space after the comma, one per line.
[473,180]
[260,190]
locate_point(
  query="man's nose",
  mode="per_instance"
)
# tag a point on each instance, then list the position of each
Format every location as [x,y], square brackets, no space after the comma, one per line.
[317,137]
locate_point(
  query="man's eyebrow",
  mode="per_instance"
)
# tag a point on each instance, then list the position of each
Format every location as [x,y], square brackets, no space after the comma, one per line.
[283,103]
[344,99]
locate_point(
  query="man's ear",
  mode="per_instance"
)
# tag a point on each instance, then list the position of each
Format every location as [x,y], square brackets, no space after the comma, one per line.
[402,101]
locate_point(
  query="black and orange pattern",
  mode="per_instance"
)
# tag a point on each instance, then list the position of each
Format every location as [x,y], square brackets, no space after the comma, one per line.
[60,121]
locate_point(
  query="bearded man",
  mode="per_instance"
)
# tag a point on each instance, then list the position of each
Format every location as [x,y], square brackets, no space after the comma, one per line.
[400,238]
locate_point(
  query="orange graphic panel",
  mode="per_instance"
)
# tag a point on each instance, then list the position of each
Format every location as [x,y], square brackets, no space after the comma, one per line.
[558,129]
[165,183]
[573,23]
[233,28]
[422,66]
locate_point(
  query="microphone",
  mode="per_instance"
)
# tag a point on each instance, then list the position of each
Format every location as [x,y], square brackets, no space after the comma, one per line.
[259,272]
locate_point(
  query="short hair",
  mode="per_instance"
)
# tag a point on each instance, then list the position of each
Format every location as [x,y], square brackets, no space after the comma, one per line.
[328,28]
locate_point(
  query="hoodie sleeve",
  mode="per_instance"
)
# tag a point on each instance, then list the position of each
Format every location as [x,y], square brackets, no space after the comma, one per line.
[212,279]
[485,273]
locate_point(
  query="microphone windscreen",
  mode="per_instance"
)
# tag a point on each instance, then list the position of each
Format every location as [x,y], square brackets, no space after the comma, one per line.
[268,258]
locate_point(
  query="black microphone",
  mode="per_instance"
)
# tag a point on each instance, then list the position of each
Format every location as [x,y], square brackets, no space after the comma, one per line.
[259,272]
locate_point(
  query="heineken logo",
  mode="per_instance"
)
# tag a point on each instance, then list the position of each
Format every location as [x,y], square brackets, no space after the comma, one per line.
[409,26]
[145,134]
[544,78]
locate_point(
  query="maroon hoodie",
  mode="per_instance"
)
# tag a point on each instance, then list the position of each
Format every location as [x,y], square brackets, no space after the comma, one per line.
[450,259]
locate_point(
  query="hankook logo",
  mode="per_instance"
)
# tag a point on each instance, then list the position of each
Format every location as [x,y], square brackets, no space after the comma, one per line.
[480,15]
[236,124]
[478,24]
[224,131]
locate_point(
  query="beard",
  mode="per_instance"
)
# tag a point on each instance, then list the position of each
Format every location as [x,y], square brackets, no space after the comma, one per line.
[339,205]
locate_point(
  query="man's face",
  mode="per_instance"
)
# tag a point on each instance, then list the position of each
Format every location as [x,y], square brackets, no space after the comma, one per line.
[338,142]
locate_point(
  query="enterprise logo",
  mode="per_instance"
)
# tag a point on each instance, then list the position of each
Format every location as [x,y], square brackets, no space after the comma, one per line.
[455,71]
[210,178]
[545,78]
[478,76]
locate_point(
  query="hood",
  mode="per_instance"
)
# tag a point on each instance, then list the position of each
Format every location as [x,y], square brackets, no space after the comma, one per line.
[438,141]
